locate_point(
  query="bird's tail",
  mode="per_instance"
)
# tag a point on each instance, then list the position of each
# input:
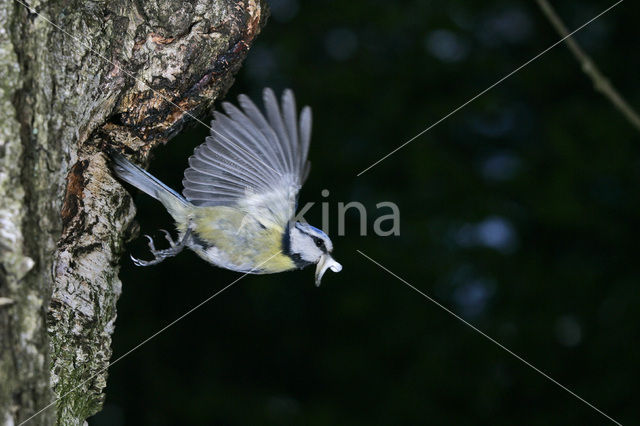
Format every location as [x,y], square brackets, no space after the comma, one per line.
[175,204]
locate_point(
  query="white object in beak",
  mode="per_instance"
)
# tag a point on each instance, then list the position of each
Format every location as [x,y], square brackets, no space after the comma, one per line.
[326,262]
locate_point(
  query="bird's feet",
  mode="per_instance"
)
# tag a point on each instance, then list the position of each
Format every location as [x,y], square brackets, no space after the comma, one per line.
[175,247]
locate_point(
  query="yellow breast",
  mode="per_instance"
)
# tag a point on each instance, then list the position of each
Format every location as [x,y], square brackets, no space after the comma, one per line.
[232,239]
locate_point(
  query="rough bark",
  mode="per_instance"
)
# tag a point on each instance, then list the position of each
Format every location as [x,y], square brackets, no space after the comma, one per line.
[128,75]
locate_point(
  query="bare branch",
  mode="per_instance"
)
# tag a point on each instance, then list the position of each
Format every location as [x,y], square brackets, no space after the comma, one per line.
[600,82]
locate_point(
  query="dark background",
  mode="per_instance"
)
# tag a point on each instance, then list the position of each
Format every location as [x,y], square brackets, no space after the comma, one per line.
[519,213]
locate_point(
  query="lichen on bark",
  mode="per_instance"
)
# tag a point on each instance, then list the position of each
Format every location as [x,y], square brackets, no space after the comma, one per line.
[119,74]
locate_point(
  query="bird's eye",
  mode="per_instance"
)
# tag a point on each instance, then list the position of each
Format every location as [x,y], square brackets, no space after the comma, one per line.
[319,242]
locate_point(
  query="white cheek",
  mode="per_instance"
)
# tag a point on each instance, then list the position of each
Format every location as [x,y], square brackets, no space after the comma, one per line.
[305,247]
[310,256]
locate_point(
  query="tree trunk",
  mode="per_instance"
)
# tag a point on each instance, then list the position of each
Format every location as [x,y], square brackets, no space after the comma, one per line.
[77,78]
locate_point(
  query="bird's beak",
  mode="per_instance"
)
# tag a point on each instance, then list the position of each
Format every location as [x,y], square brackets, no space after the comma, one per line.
[326,262]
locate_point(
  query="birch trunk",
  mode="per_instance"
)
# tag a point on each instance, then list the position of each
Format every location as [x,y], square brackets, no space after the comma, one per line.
[123,74]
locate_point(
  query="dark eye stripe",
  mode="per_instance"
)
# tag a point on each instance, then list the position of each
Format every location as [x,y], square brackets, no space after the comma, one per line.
[319,243]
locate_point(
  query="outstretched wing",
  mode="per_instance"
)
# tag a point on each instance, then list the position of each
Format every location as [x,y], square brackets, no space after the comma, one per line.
[252,162]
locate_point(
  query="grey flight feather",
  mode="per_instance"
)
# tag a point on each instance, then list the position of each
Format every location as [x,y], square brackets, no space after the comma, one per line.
[253,161]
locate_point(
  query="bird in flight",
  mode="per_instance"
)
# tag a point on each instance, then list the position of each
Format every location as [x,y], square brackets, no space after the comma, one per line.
[240,192]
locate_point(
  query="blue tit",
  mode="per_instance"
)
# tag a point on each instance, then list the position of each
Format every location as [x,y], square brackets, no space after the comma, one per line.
[240,192]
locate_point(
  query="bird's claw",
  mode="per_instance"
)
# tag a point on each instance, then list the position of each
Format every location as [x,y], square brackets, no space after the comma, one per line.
[168,237]
[140,262]
[159,255]
[150,243]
